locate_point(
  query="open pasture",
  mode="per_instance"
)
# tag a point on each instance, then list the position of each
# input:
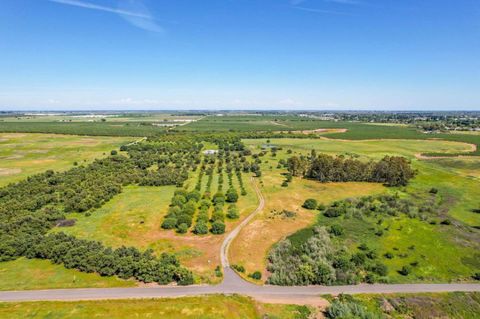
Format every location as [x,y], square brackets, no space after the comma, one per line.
[456,177]
[26,274]
[251,246]
[354,130]
[457,193]
[209,307]
[376,148]
[22,154]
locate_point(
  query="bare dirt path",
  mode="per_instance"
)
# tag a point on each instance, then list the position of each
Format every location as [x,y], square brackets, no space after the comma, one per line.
[231,236]
[232,284]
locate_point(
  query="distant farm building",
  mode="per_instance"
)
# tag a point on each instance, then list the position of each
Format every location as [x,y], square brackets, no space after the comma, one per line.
[268,146]
[210,152]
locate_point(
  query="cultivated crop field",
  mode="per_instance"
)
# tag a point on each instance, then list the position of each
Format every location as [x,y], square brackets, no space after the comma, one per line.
[352,130]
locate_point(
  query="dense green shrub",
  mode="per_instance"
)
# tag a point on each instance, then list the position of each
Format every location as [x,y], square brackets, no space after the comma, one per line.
[405,271]
[169,223]
[218,227]
[256,275]
[349,310]
[182,228]
[336,230]
[310,203]
[201,228]
[232,212]
[231,195]
[239,268]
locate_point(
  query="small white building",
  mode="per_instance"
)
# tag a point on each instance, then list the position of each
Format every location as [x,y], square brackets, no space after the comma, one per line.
[210,152]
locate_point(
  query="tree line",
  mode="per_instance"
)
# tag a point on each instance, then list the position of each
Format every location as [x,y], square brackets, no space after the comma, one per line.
[390,170]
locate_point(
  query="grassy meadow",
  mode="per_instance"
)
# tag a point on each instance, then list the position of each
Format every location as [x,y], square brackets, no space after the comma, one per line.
[205,307]
[354,130]
[27,274]
[22,155]
[457,193]
[455,305]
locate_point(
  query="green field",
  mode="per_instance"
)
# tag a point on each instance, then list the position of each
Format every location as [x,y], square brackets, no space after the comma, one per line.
[355,130]
[207,307]
[84,128]
[27,274]
[22,155]
[241,123]
[458,193]
[457,183]
[97,117]
[456,305]
[132,218]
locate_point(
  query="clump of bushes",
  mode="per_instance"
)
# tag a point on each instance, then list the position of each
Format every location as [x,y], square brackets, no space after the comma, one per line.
[345,307]
[310,204]
[319,261]
[239,268]
[256,275]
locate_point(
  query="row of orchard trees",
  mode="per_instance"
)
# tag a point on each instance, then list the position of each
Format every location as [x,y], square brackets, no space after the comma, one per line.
[206,212]
[390,170]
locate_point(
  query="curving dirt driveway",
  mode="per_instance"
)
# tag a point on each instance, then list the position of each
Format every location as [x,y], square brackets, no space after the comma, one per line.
[231,236]
[232,284]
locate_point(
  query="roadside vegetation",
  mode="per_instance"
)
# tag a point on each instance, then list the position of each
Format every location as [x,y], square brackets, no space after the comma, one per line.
[28,274]
[216,306]
[457,305]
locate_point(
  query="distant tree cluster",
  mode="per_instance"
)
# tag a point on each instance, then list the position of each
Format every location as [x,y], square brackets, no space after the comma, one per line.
[391,170]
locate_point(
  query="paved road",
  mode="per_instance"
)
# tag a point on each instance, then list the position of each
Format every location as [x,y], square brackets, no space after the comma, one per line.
[244,288]
[231,284]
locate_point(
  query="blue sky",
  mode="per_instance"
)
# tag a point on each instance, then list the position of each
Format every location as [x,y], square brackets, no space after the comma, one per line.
[240,54]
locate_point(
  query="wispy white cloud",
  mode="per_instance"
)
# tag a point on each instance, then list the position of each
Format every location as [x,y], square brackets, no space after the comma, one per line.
[322,11]
[133,11]
[140,22]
